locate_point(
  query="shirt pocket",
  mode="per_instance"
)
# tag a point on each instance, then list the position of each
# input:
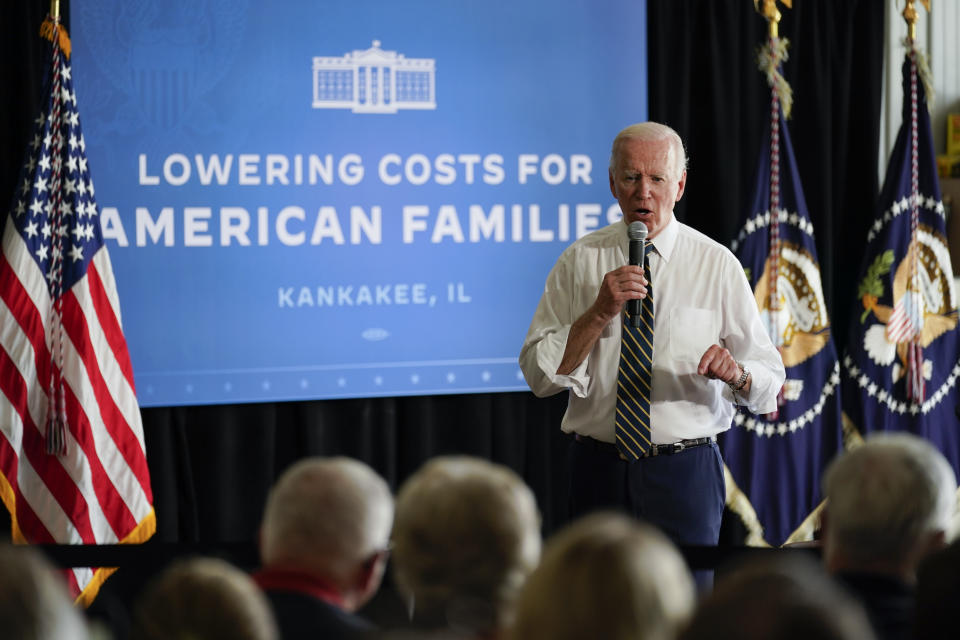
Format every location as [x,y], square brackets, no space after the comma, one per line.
[692,331]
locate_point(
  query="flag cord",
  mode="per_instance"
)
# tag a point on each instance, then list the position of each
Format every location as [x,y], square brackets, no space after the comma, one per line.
[915,382]
[774,208]
[56,409]
[778,87]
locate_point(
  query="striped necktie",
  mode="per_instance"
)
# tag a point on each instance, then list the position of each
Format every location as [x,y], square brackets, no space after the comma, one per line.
[635,377]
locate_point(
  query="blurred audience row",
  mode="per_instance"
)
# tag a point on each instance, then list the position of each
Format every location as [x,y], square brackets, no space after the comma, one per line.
[463,539]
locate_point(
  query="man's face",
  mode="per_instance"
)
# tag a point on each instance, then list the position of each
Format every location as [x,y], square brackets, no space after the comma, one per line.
[645,183]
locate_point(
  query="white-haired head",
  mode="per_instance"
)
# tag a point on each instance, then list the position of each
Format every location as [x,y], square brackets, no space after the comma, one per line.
[887,501]
[327,516]
[651,132]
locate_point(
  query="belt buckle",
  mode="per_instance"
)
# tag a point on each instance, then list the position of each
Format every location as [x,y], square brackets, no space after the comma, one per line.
[678,447]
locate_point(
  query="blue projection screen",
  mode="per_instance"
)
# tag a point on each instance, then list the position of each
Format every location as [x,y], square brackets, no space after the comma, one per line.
[346,198]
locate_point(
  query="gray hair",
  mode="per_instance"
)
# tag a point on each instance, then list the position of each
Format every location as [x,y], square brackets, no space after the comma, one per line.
[886,495]
[34,604]
[327,515]
[615,577]
[466,536]
[650,132]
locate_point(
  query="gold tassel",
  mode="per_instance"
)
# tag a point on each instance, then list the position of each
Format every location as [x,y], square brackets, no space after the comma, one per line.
[46,31]
[923,71]
[769,59]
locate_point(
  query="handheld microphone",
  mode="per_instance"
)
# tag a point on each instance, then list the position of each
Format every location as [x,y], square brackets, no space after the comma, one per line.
[637,232]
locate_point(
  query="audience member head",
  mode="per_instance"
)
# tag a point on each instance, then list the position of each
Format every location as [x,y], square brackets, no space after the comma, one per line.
[606,576]
[889,502]
[466,536]
[34,604]
[779,597]
[330,517]
[203,599]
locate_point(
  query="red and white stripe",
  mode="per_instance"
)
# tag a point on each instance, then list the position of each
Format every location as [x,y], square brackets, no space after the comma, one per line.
[98,491]
[902,325]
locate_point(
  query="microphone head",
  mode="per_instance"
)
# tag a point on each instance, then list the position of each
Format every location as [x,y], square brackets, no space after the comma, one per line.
[637,231]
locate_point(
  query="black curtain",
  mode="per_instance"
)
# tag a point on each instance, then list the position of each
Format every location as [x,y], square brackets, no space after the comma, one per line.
[704,82]
[212,466]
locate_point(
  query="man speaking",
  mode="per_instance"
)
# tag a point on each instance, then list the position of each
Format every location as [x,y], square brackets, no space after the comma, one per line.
[648,395]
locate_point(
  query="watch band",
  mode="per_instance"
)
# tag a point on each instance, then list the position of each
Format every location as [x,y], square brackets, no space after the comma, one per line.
[741,382]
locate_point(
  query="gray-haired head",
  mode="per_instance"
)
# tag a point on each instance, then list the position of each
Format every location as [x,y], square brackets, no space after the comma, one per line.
[886,500]
[327,516]
[650,132]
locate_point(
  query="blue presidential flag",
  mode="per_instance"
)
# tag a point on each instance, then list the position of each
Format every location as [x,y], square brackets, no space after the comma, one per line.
[774,461]
[901,363]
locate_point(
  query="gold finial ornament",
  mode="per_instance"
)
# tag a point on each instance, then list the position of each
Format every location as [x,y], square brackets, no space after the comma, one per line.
[773,15]
[910,16]
[47,28]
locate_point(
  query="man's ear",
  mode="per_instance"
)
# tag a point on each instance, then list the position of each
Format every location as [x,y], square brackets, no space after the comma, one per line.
[371,574]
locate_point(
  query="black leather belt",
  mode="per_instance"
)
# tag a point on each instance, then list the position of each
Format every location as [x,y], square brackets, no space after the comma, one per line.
[677,447]
[655,450]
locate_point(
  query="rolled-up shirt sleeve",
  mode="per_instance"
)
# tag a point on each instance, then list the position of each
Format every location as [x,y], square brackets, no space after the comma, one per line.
[546,338]
[747,339]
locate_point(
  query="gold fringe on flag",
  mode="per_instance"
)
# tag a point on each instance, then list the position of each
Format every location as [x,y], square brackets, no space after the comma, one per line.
[769,59]
[808,528]
[739,503]
[47,30]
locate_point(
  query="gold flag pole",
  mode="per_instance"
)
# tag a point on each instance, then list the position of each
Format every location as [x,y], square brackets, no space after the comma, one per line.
[55,10]
[910,16]
[772,14]
[774,52]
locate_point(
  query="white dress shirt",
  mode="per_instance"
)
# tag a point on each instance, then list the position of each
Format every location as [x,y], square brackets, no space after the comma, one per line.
[701,297]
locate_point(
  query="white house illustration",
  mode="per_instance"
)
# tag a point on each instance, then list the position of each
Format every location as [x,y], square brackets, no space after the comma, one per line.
[374,81]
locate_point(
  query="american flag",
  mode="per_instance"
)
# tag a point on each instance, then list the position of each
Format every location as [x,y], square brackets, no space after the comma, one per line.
[72,454]
[902,360]
[774,461]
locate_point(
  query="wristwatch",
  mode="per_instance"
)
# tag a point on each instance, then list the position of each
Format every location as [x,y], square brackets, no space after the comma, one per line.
[740,382]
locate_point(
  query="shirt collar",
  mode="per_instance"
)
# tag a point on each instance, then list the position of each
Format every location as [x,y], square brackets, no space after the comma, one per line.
[298,581]
[666,240]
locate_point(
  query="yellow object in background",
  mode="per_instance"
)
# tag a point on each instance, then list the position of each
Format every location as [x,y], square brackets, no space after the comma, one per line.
[948,166]
[953,134]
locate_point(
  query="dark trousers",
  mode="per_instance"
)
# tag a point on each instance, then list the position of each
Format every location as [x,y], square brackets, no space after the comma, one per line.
[682,494]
